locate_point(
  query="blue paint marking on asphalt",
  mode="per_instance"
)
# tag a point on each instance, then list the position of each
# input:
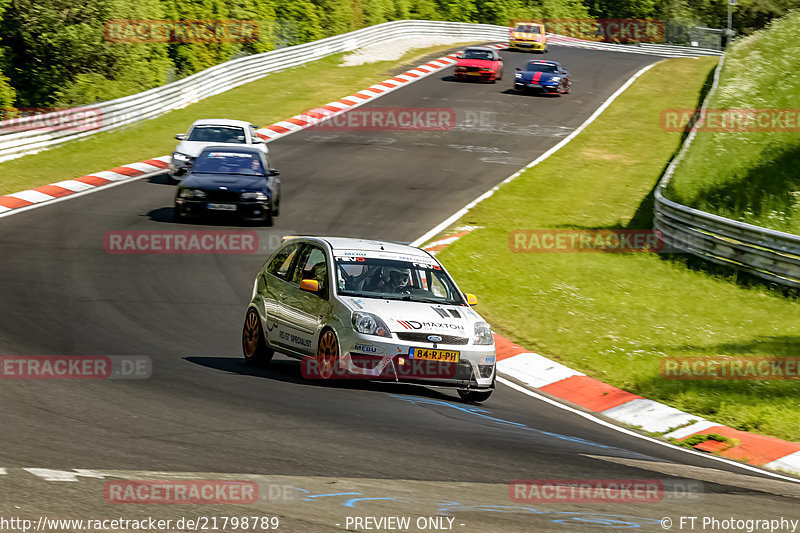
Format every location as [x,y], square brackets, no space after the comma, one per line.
[477,411]
[333,494]
[571,518]
[352,502]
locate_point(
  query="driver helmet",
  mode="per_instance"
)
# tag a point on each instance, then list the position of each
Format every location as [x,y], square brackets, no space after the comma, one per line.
[397,278]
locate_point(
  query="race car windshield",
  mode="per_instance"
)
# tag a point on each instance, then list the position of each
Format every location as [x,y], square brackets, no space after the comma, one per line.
[367,277]
[541,67]
[229,163]
[217,134]
[528,29]
[478,54]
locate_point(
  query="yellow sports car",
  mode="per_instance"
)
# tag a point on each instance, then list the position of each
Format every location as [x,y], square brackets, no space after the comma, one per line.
[528,36]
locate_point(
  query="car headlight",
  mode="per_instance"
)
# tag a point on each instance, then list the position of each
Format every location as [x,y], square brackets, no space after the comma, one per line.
[555,78]
[177,156]
[370,324]
[192,193]
[254,195]
[483,334]
[518,75]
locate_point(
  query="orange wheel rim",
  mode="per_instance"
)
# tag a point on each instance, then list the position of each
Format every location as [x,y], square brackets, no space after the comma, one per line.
[327,355]
[250,333]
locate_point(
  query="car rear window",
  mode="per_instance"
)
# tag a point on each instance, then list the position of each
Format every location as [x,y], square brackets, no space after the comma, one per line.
[478,54]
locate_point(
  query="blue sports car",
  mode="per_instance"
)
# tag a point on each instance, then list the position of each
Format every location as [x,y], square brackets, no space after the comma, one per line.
[547,77]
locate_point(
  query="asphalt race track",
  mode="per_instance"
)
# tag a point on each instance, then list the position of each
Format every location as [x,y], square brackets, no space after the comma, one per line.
[343,450]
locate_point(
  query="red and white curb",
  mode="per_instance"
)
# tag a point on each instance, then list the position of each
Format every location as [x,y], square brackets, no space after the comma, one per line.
[14,202]
[331,109]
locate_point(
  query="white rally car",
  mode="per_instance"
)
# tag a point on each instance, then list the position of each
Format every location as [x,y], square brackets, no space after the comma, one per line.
[352,308]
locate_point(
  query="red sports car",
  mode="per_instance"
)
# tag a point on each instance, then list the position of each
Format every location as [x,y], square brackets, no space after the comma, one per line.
[483,64]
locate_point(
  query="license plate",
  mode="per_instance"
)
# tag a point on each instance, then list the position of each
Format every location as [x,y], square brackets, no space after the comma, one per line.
[429,354]
[473,73]
[222,207]
[535,86]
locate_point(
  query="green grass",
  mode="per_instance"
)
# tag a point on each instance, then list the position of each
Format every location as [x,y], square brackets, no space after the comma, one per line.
[268,100]
[750,176]
[615,316]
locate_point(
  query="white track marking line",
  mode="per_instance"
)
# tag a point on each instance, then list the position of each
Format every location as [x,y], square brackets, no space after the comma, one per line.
[631,433]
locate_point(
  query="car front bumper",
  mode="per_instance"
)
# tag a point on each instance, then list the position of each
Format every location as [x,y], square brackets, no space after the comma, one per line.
[528,45]
[380,358]
[252,210]
[548,88]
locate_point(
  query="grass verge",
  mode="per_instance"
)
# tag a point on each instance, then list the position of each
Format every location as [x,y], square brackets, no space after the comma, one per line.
[268,100]
[751,175]
[615,316]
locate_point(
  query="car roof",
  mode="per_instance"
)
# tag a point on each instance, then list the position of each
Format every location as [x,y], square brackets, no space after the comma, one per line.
[220,122]
[343,244]
[481,48]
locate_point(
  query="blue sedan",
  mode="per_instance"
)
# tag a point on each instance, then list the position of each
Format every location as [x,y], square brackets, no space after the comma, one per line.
[229,181]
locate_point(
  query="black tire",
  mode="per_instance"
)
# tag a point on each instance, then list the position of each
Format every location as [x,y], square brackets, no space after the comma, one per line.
[277,209]
[268,219]
[474,396]
[254,347]
[177,214]
[327,354]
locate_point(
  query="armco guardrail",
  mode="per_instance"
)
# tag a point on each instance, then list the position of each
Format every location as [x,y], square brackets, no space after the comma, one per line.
[220,78]
[666,50]
[766,253]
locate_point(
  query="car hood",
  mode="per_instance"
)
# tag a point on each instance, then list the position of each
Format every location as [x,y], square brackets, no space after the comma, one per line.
[537,77]
[193,148]
[483,63]
[538,37]
[229,182]
[416,317]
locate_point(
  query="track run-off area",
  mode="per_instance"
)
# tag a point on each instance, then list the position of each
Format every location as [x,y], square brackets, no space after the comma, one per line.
[320,453]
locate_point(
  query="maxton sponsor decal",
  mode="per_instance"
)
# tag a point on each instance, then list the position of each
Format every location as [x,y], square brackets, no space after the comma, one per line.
[731,120]
[415,324]
[585,241]
[586,490]
[181,242]
[181,31]
[75,367]
[50,119]
[712,368]
[389,119]
[180,492]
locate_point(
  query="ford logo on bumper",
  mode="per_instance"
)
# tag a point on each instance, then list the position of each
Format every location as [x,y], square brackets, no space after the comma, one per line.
[434,338]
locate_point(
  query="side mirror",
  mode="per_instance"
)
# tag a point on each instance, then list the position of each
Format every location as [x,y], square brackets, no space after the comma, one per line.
[518,69]
[257,140]
[310,285]
[273,172]
[181,136]
[471,299]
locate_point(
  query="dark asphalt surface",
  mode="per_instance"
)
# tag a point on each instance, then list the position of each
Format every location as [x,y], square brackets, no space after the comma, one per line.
[203,410]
